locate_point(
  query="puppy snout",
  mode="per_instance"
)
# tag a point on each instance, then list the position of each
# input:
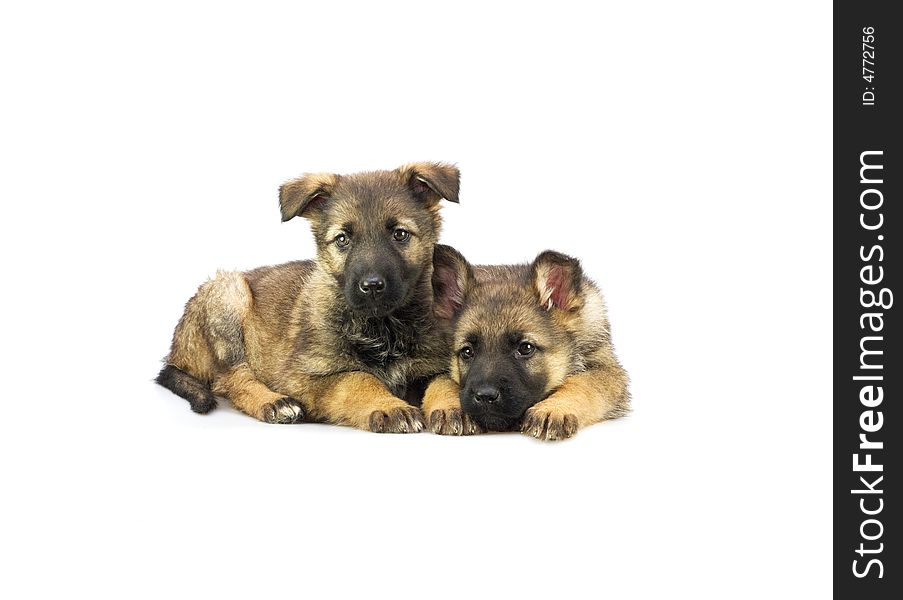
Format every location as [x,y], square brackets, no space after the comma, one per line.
[486,394]
[372,284]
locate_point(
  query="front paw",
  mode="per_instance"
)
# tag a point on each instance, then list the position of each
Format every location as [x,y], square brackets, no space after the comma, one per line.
[549,425]
[453,421]
[284,410]
[404,419]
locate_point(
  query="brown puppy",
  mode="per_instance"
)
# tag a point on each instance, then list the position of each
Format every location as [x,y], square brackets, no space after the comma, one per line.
[533,351]
[342,339]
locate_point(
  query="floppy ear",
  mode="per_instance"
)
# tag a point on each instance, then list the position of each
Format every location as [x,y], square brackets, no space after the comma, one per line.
[302,196]
[431,181]
[557,279]
[452,277]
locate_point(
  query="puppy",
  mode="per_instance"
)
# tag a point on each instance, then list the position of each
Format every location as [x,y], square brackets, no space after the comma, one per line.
[532,351]
[345,338]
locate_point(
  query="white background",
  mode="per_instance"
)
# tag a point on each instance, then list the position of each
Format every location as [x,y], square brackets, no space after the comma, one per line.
[681,150]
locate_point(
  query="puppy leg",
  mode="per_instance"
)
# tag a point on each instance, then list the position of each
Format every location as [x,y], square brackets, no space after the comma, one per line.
[442,408]
[209,347]
[361,400]
[583,399]
[198,348]
[252,397]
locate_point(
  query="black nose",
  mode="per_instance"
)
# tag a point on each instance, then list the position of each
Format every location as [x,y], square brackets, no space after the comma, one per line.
[486,394]
[373,284]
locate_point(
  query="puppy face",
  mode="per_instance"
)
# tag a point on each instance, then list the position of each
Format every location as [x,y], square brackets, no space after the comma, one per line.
[512,343]
[375,232]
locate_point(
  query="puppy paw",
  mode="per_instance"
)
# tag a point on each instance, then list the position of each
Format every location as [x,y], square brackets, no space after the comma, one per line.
[407,419]
[284,410]
[549,425]
[453,421]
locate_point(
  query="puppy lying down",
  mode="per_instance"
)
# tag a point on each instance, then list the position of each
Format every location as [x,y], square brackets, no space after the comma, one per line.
[532,350]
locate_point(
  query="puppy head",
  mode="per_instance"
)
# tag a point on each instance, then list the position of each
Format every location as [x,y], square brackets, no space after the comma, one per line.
[513,347]
[375,231]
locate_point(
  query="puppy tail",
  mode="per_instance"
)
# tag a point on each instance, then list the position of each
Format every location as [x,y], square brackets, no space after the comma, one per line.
[182,384]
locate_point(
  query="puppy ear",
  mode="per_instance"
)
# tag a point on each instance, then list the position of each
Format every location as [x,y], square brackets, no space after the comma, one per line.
[557,279]
[431,181]
[303,196]
[452,277]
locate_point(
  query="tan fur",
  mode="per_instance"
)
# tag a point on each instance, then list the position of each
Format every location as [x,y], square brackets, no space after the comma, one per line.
[244,390]
[587,398]
[215,313]
[585,383]
[442,409]
[361,400]
[270,339]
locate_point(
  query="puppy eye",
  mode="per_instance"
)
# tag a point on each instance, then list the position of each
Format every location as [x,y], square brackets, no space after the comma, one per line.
[342,240]
[401,235]
[466,352]
[525,349]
